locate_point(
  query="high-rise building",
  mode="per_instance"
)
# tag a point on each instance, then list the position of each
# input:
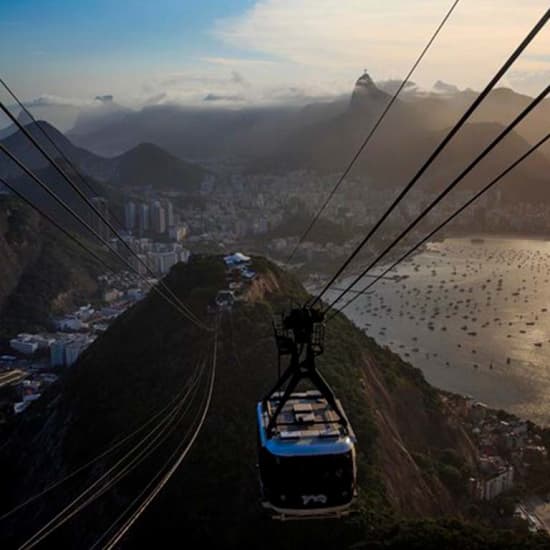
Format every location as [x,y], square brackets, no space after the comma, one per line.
[158,218]
[140,264]
[163,261]
[169,210]
[102,206]
[178,232]
[72,351]
[143,218]
[130,215]
[57,353]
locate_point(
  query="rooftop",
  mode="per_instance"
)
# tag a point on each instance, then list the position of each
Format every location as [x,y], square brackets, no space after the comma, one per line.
[306,425]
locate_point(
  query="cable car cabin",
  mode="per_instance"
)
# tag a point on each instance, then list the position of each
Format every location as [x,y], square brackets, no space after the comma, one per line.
[307,464]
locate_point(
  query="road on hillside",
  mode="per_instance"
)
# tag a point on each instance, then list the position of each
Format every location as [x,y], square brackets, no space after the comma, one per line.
[12,376]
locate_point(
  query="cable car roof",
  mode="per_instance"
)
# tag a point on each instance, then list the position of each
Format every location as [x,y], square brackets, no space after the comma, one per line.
[307,425]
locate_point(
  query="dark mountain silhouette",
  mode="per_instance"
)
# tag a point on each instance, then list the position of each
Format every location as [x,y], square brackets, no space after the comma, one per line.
[149,165]
[146,164]
[367,93]
[22,148]
[409,134]
[104,110]
[205,133]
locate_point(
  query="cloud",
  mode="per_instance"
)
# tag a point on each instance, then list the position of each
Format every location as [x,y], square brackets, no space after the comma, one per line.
[543,58]
[299,51]
[321,39]
[392,85]
[445,88]
[238,78]
[306,50]
[531,82]
[104,98]
[222,97]
[47,100]
[157,99]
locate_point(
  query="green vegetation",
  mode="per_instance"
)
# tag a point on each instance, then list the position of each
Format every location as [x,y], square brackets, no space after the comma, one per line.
[449,534]
[324,231]
[448,466]
[212,501]
[51,265]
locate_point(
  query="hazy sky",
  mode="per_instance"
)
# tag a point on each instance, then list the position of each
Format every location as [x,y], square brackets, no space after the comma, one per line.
[243,51]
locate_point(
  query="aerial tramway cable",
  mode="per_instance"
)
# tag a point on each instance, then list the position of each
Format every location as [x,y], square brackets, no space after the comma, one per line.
[372,131]
[59,150]
[154,489]
[57,225]
[111,449]
[475,104]
[179,305]
[156,437]
[493,182]
[91,205]
[446,191]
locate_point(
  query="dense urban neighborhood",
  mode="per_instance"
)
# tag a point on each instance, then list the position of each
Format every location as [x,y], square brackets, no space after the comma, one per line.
[31,362]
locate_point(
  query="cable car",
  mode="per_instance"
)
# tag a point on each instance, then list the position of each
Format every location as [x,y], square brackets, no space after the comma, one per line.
[306,446]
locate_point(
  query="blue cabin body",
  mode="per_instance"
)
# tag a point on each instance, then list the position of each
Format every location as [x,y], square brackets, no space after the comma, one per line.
[307,464]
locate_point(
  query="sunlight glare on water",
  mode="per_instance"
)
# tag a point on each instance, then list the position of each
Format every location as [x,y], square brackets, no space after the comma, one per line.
[473,314]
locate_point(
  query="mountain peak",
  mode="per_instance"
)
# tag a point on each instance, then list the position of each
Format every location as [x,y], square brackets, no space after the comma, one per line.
[365,91]
[365,80]
[36,129]
[147,164]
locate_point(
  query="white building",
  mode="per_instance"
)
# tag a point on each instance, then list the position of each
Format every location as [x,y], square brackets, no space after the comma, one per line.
[163,261]
[24,345]
[184,255]
[169,210]
[57,353]
[112,294]
[497,477]
[491,487]
[71,323]
[134,293]
[85,312]
[20,406]
[72,351]
[43,341]
[143,218]
[130,212]
[158,218]
[178,232]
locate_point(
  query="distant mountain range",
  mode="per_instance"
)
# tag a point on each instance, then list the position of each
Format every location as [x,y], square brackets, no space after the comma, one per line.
[259,133]
[144,165]
[203,133]
[146,147]
[410,132]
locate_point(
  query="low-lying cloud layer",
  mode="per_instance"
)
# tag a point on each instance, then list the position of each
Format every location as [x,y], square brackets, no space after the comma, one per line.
[300,51]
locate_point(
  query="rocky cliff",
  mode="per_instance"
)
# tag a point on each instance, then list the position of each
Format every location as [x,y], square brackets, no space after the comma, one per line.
[42,271]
